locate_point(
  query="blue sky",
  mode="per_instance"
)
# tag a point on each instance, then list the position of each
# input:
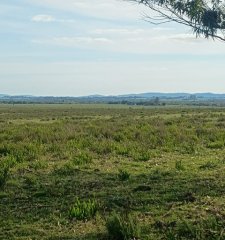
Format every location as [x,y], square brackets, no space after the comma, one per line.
[81,47]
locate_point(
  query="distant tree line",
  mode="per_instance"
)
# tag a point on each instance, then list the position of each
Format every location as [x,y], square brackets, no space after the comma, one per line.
[151,102]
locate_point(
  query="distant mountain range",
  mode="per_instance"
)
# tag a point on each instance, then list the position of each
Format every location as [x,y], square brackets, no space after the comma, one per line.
[175,95]
[160,95]
[118,98]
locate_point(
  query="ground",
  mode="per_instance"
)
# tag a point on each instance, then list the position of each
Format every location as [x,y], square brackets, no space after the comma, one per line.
[163,165]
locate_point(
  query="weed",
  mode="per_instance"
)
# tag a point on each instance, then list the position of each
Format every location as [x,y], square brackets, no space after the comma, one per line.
[123,227]
[179,165]
[83,210]
[30,180]
[142,188]
[122,150]
[82,158]
[216,145]
[37,165]
[209,228]
[4,171]
[66,169]
[5,164]
[208,165]
[142,156]
[123,175]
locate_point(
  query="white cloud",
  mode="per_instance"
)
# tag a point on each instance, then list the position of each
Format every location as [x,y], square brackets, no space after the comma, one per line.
[48,18]
[110,9]
[136,40]
[43,18]
[117,31]
[107,27]
[130,31]
[81,40]
[131,36]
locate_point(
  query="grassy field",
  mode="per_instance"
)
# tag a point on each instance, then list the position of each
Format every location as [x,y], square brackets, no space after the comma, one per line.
[111,172]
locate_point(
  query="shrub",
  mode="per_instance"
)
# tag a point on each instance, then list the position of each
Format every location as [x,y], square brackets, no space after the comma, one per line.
[142,156]
[4,150]
[38,165]
[122,150]
[123,227]
[215,145]
[5,165]
[208,165]
[82,158]
[123,175]
[3,176]
[30,180]
[179,165]
[209,228]
[66,169]
[83,210]
[104,147]
[189,148]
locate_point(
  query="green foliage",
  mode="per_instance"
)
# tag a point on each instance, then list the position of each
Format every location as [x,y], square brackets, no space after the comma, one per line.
[83,210]
[22,151]
[141,156]
[45,163]
[208,165]
[39,164]
[4,171]
[209,228]
[123,227]
[216,145]
[66,169]
[30,180]
[5,164]
[179,165]
[82,158]
[122,150]
[123,175]
[204,17]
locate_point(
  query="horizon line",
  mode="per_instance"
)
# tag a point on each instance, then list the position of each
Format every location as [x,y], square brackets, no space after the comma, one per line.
[108,95]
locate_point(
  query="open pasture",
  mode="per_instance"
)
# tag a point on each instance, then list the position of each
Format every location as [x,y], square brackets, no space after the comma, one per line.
[71,171]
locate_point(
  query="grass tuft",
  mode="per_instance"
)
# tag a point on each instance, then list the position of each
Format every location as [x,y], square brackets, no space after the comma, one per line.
[179,165]
[123,227]
[123,175]
[83,210]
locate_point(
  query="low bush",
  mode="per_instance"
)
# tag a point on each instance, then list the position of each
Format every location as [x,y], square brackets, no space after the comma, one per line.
[142,156]
[5,164]
[66,169]
[208,165]
[122,150]
[179,165]
[209,228]
[215,145]
[3,175]
[123,175]
[123,227]
[82,158]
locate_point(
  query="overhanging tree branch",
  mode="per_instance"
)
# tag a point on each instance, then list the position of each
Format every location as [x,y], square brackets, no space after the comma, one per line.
[205,17]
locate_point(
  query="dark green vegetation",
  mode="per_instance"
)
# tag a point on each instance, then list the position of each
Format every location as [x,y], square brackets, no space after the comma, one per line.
[205,18]
[92,171]
[141,99]
[123,227]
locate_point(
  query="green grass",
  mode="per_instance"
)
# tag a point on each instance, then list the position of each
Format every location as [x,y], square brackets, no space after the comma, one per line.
[165,166]
[123,227]
[83,210]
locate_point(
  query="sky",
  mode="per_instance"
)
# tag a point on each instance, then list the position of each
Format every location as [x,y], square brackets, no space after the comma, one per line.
[85,47]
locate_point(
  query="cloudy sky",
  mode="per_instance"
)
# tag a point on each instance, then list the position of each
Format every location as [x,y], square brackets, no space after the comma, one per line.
[81,47]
